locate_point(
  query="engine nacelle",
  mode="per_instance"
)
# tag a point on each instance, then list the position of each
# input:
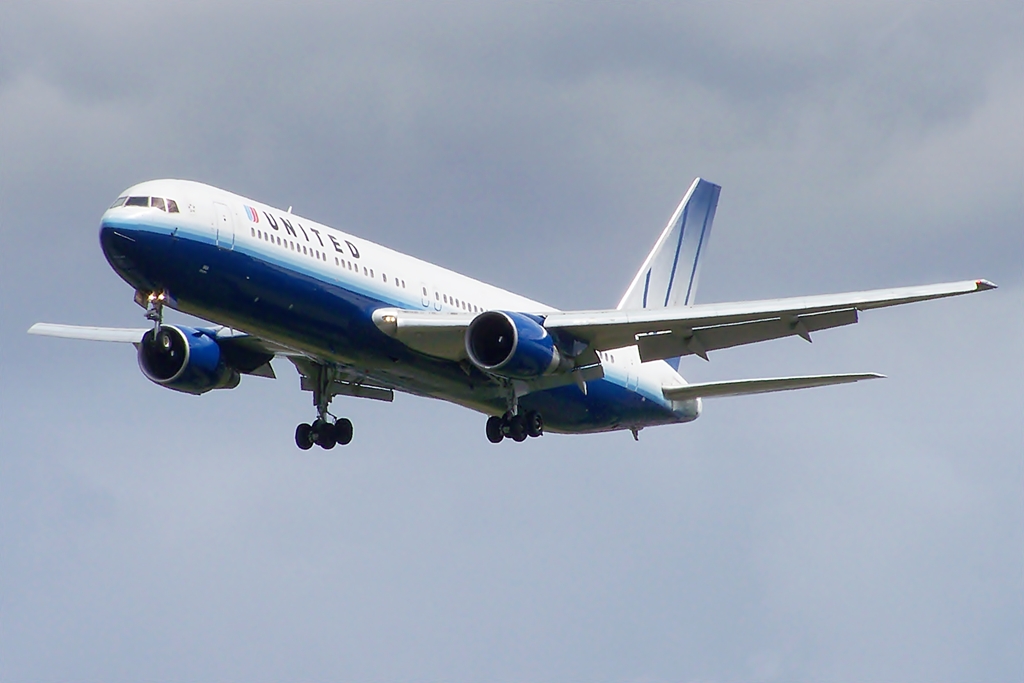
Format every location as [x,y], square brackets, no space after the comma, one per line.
[185,359]
[513,345]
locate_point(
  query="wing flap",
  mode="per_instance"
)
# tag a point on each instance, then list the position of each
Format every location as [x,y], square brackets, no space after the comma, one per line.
[746,387]
[686,341]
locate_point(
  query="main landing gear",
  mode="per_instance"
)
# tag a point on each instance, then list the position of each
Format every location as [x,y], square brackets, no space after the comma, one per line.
[516,426]
[326,431]
[324,434]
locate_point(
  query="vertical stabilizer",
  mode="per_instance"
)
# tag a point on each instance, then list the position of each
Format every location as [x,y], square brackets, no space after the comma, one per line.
[668,276]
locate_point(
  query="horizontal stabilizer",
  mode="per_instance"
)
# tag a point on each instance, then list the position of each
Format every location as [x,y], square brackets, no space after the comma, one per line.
[744,387]
[125,335]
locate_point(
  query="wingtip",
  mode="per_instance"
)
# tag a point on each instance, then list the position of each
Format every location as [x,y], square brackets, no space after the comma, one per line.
[984,285]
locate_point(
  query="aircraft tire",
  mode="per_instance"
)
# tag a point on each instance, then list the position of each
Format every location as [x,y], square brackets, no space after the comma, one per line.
[495,429]
[343,431]
[326,439]
[517,428]
[321,433]
[302,437]
[534,423]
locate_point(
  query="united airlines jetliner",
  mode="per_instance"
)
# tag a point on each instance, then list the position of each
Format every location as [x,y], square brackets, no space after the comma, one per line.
[358,319]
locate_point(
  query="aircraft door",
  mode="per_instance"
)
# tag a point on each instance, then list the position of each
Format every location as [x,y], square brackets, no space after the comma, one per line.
[224,225]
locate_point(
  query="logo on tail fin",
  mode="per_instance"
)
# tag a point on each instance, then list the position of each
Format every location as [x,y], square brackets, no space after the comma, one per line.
[669,275]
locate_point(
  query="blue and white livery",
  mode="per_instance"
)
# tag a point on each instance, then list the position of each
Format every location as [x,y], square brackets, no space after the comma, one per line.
[359,319]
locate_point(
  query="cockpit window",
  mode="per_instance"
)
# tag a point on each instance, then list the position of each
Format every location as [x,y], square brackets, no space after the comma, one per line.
[168,205]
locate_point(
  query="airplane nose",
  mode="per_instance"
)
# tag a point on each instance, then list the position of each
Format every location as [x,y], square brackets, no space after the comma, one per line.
[117,247]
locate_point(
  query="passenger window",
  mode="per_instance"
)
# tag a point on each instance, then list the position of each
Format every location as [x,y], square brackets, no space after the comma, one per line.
[118,202]
[303,249]
[384,277]
[172,206]
[137,201]
[157,203]
[371,272]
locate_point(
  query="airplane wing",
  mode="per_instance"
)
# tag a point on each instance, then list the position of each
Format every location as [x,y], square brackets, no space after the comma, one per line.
[670,332]
[745,387]
[125,335]
[250,354]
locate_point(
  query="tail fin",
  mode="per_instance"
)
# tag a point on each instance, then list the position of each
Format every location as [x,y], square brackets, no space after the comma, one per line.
[669,275]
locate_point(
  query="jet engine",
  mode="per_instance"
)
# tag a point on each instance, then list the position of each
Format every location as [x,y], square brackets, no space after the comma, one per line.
[513,345]
[185,359]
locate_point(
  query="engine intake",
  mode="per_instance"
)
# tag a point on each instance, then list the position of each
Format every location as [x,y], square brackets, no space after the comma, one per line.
[513,345]
[185,359]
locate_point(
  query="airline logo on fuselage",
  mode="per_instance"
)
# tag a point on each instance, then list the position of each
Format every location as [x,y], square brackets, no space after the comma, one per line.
[279,222]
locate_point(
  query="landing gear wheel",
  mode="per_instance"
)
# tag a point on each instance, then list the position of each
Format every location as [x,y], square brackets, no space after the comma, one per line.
[495,429]
[325,437]
[303,436]
[534,423]
[517,428]
[322,433]
[343,431]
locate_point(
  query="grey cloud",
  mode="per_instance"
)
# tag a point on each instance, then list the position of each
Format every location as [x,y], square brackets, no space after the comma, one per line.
[867,532]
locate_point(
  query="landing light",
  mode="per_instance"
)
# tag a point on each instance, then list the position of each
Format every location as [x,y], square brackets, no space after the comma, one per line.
[389,319]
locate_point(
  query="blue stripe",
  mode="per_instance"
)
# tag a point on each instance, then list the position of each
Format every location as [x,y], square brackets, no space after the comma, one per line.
[679,245]
[696,257]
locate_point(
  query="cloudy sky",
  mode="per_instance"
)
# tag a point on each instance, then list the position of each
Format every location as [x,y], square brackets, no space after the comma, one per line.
[870,532]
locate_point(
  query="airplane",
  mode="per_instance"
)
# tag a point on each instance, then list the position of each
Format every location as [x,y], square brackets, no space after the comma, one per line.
[361,320]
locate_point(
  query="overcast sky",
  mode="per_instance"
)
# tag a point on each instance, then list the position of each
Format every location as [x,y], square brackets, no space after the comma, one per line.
[869,532]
